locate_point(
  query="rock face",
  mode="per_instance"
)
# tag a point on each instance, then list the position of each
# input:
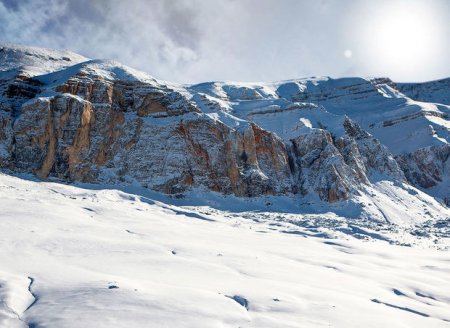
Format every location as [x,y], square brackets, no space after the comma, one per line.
[102,122]
[434,91]
[335,168]
[98,130]
[429,168]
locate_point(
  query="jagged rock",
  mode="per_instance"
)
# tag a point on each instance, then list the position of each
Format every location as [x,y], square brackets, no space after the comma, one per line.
[433,91]
[99,121]
[321,167]
[369,155]
[428,167]
[337,167]
[71,138]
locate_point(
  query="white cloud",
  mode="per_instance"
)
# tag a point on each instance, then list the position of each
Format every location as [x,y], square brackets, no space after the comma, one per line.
[195,40]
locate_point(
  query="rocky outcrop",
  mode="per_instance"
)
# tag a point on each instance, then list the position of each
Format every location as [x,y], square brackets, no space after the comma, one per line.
[433,91]
[368,154]
[322,168]
[335,168]
[102,122]
[429,167]
[6,140]
[95,131]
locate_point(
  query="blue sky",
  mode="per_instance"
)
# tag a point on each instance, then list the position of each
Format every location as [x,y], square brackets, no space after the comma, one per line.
[244,40]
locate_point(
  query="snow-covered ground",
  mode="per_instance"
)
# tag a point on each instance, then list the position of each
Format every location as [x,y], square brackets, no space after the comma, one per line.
[80,257]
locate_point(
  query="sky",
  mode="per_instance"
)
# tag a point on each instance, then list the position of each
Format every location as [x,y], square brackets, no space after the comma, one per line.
[192,41]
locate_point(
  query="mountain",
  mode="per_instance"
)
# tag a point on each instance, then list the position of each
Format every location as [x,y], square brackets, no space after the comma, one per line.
[348,142]
[433,91]
[127,201]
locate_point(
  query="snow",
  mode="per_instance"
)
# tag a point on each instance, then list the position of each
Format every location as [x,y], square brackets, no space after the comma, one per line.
[33,61]
[392,113]
[81,257]
[433,91]
[375,104]
[123,256]
[100,69]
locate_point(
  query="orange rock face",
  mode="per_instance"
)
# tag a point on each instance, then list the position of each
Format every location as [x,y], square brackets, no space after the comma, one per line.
[104,130]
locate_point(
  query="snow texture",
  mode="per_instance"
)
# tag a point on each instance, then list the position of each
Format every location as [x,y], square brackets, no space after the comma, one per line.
[78,257]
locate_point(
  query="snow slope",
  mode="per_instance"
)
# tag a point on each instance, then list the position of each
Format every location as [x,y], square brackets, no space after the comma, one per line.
[408,127]
[433,91]
[121,255]
[402,124]
[77,257]
[33,61]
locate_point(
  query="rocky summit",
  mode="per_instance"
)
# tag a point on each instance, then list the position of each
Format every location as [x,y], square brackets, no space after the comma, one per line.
[330,140]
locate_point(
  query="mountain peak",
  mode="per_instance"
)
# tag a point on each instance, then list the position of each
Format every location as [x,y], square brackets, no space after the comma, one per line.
[315,138]
[32,61]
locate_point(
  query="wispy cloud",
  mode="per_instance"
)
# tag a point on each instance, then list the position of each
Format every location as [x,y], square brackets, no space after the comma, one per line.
[195,40]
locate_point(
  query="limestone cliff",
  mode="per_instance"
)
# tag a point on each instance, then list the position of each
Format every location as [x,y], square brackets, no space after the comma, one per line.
[102,122]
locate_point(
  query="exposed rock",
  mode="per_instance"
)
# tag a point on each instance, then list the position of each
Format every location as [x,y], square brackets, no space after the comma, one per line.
[71,138]
[99,121]
[242,301]
[321,167]
[433,91]
[428,167]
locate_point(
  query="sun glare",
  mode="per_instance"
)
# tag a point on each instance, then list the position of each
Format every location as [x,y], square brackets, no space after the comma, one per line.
[402,38]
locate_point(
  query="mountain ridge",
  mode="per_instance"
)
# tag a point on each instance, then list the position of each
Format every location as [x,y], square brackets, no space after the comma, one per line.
[100,121]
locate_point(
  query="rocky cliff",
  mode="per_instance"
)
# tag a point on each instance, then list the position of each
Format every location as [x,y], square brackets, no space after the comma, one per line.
[64,116]
[433,91]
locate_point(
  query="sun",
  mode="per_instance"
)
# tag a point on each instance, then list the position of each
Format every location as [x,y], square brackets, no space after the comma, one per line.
[402,37]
